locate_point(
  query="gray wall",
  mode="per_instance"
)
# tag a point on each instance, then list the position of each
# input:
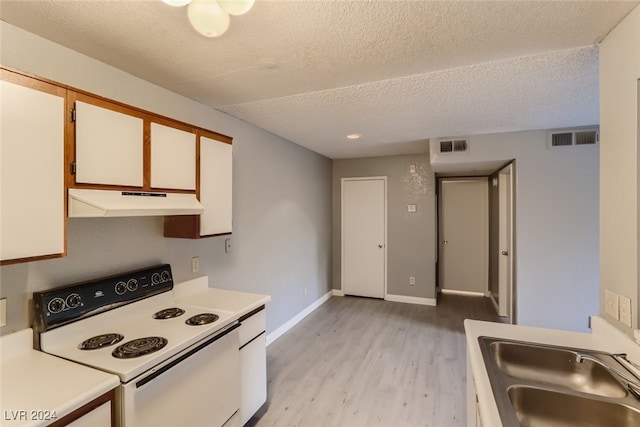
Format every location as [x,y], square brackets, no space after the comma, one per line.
[411,236]
[282,204]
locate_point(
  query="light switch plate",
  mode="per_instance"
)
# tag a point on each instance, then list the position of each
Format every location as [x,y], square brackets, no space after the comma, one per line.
[3,311]
[611,304]
[625,310]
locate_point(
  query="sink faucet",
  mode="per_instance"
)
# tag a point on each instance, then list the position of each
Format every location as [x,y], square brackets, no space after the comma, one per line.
[633,385]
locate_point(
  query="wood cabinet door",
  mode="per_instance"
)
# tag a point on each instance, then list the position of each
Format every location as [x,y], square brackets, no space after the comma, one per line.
[173,158]
[32,117]
[216,186]
[109,146]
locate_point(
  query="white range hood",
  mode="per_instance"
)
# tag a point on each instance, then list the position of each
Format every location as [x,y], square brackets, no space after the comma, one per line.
[112,203]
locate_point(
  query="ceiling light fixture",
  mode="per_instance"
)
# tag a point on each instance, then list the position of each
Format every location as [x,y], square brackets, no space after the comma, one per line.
[354,136]
[211,17]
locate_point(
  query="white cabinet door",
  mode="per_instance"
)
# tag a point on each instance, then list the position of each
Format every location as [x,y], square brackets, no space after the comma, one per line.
[253,377]
[99,417]
[109,147]
[173,158]
[216,183]
[31,172]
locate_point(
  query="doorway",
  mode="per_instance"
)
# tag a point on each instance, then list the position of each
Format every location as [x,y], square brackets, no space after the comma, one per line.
[364,236]
[463,236]
[505,245]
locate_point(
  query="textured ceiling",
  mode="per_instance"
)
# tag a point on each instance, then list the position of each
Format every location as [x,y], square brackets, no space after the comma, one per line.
[398,72]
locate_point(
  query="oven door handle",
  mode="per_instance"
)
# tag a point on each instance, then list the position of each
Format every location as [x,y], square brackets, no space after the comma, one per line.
[173,363]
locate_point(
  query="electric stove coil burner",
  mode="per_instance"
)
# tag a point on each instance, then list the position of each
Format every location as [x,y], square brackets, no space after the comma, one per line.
[139,347]
[202,319]
[100,341]
[169,313]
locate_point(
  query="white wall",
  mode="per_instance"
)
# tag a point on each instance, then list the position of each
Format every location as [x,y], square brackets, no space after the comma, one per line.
[619,158]
[282,203]
[556,223]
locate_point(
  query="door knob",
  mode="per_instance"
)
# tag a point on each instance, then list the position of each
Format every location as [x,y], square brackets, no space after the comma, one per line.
[380,246]
[505,253]
[446,242]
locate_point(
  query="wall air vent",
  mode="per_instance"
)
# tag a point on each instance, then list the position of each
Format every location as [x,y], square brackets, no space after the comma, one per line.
[454,146]
[572,138]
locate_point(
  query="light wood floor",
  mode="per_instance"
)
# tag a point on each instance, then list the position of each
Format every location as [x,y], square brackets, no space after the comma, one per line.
[359,362]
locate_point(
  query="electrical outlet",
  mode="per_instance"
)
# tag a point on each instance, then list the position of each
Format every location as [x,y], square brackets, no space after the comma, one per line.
[412,280]
[3,311]
[304,291]
[625,310]
[611,302]
[227,245]
[411,208]
[195,264]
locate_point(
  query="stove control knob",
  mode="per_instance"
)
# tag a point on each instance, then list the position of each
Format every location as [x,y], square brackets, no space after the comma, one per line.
[56,305]
[155,279]
[165,276]
[132,285]
[121,288]
[73,300]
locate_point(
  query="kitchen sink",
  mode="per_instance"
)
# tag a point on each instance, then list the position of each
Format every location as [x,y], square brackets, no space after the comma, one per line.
[544,385]
[556,367]
[541,407]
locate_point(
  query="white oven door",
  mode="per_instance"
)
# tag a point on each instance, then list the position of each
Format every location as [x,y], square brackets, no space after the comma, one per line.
[199,387]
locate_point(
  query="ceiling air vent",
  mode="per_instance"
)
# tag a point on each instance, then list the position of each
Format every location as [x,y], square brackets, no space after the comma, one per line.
[454,146]
[571,138]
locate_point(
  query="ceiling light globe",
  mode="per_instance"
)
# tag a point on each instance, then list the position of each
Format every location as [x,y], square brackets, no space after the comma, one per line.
[177,3]
[208,18]
[236,7]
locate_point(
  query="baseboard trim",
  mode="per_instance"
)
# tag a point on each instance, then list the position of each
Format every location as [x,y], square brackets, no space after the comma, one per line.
[298,317]
[338,293]
[411,300]
[468,293]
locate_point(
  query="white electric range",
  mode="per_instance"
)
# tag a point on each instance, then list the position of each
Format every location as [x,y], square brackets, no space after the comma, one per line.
[178,364]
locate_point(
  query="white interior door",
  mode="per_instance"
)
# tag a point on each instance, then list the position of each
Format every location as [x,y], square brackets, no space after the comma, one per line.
[464,238]
[364,236]
[505,272]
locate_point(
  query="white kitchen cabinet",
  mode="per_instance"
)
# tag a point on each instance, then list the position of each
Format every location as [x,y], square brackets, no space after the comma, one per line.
[173,158]
[108,146]
[216,184]
[253,364]
[215,192]
[99,417]
[32,222]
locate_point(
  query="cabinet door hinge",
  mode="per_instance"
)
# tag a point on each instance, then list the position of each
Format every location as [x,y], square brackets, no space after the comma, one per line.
[73,167]
[73,115]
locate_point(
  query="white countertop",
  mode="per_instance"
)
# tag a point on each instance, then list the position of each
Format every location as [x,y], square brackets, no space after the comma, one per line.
[34,381]
[197,292]
[603,337]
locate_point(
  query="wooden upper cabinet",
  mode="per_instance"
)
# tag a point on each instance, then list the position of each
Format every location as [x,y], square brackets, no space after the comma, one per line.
[214,190]
[120,146]
[216,186]
[109,146]
[173,158]
[32,203]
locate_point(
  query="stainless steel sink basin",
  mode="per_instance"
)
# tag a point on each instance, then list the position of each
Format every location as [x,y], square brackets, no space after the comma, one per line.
[555,367]
[545,408]
[543,385]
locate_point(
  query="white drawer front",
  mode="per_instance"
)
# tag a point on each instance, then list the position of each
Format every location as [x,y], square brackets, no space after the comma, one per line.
[252,327]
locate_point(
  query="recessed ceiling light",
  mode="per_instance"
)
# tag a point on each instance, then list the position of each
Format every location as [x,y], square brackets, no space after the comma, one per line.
[354,136]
